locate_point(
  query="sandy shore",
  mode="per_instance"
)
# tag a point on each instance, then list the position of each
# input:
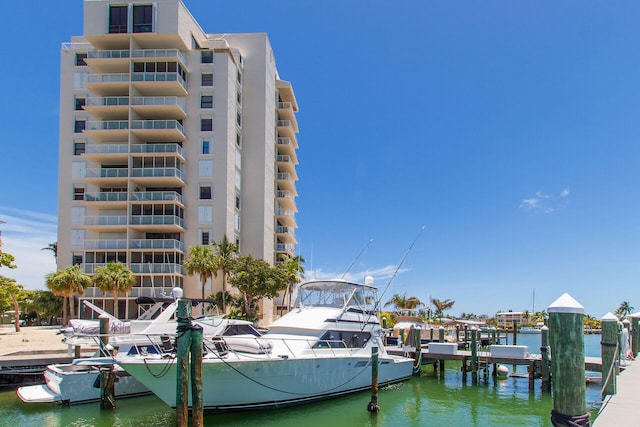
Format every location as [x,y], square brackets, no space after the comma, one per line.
[30,338]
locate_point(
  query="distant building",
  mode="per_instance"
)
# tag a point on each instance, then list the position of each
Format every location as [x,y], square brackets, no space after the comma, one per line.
[171,137]
[504,320]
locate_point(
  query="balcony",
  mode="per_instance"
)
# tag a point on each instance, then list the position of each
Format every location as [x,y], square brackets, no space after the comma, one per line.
[286,217]
[287,146]
[108,61]
[285,248]
[156,196]
[106,199]
[108,130]
[285,128]
[159,83]
[159,54]
[107,176]
[160,107]
[164,223]
[286,234]
[286,200]
[107,153]
[170,176]
[158,149]
[152,268]
[108,107]
[105,244]
[164,244]
[158,130]
[284,181]
[111,84]
[106,221]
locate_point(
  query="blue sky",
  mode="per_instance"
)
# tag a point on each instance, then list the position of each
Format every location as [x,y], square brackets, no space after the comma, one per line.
[509,130]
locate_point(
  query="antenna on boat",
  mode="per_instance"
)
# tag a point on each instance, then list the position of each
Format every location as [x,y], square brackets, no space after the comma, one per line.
[356,259]
[393,276]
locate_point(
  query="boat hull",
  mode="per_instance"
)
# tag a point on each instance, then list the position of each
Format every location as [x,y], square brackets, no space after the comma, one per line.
[240,384]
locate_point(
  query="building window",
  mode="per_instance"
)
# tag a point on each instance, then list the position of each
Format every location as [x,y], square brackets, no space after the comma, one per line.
[206,56]
[239,119]
[205,238]
[205,192]
[206,124]
[205,145]
[79,126]
[236,219]
[205,168]
[239,140]
[239,77]
[79,103]
[118,19]
[205,213]
[237,202]
[206,101]
[143,19]
[80,57]
[206,78]
[76,260]
[78,148]
[78,193]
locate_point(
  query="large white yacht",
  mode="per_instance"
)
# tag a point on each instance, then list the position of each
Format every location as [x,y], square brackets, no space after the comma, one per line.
[320,349]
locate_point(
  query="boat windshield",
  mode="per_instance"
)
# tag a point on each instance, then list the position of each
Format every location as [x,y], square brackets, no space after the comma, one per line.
[338,294]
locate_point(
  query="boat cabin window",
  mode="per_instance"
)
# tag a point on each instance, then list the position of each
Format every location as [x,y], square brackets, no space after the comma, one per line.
[343,339]
[336,294]
[241,330]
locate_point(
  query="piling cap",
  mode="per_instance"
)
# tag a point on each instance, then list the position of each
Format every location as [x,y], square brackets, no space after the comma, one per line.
[626,321]
[565,304]
[177,293]
[609,317]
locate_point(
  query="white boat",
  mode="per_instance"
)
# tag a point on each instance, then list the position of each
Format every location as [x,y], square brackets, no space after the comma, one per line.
[320,349]
[78,382]
[537,329]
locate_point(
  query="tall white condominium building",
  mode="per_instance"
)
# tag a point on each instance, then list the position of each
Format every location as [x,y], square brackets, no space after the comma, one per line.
[169,138]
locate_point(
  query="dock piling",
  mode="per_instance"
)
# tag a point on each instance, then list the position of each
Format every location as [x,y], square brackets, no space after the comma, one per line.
[474,356]
[635,333]
[566,328]
[373,404]
[608,350]
[107,387]
[545,370]
[183,338]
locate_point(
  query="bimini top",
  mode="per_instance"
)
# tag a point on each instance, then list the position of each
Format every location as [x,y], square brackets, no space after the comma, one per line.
[335,293]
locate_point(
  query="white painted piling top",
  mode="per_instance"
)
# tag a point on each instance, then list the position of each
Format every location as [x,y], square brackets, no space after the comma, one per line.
[626,321]
[544,328]
[609,317]
[565,304]
[104,316]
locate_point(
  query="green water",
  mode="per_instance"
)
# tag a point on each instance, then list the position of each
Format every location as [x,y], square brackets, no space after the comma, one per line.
[430,400]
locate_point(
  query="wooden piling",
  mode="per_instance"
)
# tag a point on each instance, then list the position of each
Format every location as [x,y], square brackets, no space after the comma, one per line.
[104,331]
[430,334]
[545,370]
[373,404]
[441,338]
[107,387]
[418,357]
[474,356]
[635,333]
[183,338]
[197,407]
[566,330]
[77,351]
[608,353]
[457,333]
[401,338]
[515,332]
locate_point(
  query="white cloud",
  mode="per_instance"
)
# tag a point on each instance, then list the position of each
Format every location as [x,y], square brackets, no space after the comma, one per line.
[24,234]
[546,203]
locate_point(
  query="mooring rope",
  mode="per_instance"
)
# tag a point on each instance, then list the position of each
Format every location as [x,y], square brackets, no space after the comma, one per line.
[604,384]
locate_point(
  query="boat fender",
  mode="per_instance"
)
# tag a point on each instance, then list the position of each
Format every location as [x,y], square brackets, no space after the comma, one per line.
[284,356]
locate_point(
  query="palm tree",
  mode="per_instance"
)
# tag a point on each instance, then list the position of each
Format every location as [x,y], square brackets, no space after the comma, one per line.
[53,247]
[224,260]
[46,305]
[624,309]
[68,283]
[441,306]
[114,277]
[201,262]
[404,302]
[295,272]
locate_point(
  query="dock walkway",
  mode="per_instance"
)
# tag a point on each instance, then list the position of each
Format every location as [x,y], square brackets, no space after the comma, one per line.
[621,409]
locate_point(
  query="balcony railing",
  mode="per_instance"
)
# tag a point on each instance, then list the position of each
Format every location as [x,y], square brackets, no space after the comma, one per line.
[283,105]
[157,268]
[107,148]
[283,158]
[106,197]
[152,196]
[157,77]
[283,123]
[107,125]
[283,194]
[159,101]
[107,54]
[157,148]
[282,247]
[284,212]
[156,172]
[283,176]
[284,141]
[157,220]
[107,101]
[108,78]
[156,244]
[159,53]
[105,220]
[106,244]
[107,173]
[157,124]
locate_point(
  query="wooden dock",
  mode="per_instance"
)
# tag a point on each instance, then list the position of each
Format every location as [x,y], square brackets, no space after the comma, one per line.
[621,409]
